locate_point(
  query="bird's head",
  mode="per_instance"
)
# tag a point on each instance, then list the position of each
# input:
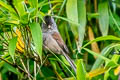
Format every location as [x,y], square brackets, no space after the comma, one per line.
[48,24]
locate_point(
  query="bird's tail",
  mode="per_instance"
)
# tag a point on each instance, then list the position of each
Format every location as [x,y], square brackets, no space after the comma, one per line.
[70,61]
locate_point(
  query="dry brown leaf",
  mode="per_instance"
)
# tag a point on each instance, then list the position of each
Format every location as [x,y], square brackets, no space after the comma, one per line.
[94,45]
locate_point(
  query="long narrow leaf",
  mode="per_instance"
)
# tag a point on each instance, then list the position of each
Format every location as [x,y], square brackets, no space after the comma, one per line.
[71,10]
[8,7]
[109,37]
[37,37]
[104,17]
[81,73]
[12,47]
[21,9]
[105,52]
[81,19]
[34,5]
[96,54]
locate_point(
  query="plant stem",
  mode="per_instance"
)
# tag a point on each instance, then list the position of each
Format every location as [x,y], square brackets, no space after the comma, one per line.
[25,68]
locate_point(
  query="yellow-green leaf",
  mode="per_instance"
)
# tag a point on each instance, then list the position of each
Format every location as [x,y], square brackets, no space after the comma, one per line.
[81,73]
[103,17]
[81,19]
[12,47]
[71,10]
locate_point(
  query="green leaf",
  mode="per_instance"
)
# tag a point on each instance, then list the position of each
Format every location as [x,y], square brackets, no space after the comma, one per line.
[110,64]
[113,62]
[81,73]
[92,15]
[103,17]
[21,8]
[37,37]
[64,60]
[68,20]
[53,64]
[12,22]
[105,52]
[81,19]
[69,78]
[71,10]
[8,7]
[34,4]
[11,68]
[61,8]
[76,11]
[96,54]
[3,62]
[114,22]
[12,47]
[109,37]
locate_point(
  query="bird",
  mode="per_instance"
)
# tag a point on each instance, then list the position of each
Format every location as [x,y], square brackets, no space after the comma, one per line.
[53,41]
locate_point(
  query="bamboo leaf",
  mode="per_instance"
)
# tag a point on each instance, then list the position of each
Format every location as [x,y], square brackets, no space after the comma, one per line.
[76,12]
[11,68]
[70,78]
[12,47]
[81,19]
[96,72]
[113,62]
[109,37]
[104,17]
[68,20]
[94,45]
[21,8]
[81,73]
[105,52]
[34,4]
[96,54]
[8,7]
[37,37]
[71,10]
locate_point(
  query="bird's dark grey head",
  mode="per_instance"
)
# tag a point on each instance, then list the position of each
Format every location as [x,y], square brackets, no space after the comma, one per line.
[48,20]
[48,24]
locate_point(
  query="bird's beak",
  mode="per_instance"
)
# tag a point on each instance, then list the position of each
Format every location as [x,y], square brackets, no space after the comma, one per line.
[49,26]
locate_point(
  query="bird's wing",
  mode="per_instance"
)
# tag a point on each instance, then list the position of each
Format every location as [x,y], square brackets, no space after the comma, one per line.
[49,42]
[60,41]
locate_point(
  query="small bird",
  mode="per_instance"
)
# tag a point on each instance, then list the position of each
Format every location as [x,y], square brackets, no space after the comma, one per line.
[53,40]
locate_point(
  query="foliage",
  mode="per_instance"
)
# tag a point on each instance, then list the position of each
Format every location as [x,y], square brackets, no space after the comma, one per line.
[90,29]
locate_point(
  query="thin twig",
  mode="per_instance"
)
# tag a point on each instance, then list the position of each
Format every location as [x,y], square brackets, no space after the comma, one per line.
[50,7]
[16,66]
[41,74]
[4,38]
[39,67]
[34,70]
[7,61]
[28,65]
[25,68]
[63,4]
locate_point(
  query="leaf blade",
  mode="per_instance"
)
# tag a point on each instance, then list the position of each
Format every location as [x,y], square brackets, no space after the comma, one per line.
[12,47]
[81,73]
[81,20]
[104,17]
[37,37]
[71,11]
